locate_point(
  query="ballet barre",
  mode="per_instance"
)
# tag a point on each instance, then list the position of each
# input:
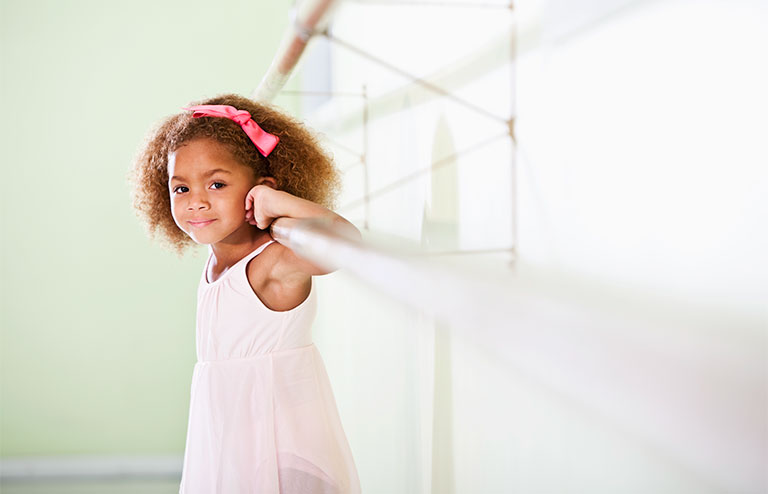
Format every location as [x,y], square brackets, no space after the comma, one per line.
[678,384]
[310,18]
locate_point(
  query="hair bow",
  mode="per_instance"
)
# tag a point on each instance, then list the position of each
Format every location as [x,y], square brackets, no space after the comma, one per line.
[264,141]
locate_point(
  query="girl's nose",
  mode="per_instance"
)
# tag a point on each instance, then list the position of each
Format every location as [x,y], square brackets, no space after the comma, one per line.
[197,201]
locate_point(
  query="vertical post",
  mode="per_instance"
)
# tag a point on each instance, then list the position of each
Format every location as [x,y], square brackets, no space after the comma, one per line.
[366,184]
[513,142]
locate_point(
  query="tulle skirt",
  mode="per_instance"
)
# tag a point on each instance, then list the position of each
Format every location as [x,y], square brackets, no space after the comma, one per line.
[268,425]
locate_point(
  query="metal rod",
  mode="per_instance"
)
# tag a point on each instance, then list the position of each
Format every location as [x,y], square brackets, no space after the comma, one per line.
[321,93]
[349,166]
[512,151]
[508,6]
[364,161]
[418,173]
[345,148]
[417,80]
[306,22]
[430,253]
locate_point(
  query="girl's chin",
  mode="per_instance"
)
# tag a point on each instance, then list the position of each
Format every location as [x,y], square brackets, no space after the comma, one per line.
[206,237]
[201,239]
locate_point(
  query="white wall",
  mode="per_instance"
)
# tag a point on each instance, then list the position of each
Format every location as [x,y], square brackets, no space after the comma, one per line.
[639,172]
[642,151]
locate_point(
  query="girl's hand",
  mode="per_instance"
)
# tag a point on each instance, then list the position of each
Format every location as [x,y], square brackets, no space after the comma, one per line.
[256,202]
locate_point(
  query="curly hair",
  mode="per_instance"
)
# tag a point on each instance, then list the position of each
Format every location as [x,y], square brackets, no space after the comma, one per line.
[298,164]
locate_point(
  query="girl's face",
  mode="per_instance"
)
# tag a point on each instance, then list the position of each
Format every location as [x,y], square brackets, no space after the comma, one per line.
[207,188]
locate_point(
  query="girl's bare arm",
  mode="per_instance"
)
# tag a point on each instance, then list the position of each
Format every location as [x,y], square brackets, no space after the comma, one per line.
[265,204]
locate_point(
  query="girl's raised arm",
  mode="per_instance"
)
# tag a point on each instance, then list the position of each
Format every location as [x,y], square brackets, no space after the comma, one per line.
[264,204]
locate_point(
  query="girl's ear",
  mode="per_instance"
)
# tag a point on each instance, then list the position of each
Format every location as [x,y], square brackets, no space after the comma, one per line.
[268,181]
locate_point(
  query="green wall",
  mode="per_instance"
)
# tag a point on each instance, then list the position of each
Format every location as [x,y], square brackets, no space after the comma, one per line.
[98,323]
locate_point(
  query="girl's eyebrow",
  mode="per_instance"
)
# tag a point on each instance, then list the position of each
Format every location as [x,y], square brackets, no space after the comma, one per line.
[206,174]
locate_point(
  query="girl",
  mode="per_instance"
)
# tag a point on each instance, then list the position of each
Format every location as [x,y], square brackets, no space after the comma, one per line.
[262,417]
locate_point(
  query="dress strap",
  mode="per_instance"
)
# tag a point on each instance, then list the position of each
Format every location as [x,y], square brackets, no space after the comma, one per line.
[243,261]
[260,248]
[255,253]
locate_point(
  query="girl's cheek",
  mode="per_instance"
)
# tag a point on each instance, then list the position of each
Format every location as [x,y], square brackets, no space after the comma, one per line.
[173,212]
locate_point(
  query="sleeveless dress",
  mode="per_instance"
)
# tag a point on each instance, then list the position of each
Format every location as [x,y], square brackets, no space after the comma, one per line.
[262,415]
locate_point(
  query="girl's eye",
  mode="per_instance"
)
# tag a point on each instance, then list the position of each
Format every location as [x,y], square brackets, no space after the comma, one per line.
[176,189]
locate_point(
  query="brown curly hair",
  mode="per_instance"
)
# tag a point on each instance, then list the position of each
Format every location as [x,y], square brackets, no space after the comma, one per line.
[298,164]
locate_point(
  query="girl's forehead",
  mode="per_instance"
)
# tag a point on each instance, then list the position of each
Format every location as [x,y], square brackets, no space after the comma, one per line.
[200,156]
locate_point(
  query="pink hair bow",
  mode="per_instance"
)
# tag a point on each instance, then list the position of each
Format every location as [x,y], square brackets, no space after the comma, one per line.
[264,141]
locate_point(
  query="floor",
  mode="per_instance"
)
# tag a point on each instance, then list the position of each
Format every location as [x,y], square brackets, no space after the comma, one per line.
[154,486]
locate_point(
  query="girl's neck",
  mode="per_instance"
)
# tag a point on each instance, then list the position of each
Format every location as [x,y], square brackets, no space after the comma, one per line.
[227,253]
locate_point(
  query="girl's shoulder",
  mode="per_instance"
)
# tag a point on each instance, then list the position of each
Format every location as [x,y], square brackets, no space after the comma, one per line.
[285,266]
[275,279]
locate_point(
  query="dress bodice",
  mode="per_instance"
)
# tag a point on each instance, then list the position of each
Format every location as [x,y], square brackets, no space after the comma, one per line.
[233,323]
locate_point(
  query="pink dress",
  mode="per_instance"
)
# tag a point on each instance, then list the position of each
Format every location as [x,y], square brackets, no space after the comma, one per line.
[262,415]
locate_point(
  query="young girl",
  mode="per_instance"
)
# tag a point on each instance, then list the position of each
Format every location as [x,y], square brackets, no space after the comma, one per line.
[262,418]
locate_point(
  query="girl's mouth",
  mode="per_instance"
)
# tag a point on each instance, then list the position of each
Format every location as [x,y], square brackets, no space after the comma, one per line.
[201,223]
